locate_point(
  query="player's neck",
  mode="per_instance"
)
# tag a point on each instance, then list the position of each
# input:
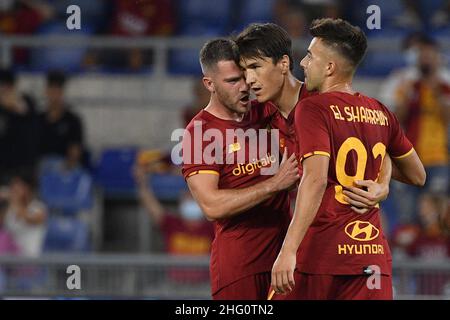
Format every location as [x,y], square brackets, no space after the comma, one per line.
[220,111]
[288,97]
[340,85]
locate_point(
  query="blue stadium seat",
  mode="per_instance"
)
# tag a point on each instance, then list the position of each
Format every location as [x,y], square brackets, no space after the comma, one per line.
[65,58]
[215,14]
[66,234]
[114,170]
[185,61]
[254,11]
[67,192]
[168,187]
[380,64]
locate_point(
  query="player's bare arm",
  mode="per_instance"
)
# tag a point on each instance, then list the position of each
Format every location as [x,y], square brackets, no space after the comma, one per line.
[309,197]
[224,203]
[409,169]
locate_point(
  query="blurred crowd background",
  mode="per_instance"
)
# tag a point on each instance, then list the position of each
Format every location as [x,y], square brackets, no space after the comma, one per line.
[85,129]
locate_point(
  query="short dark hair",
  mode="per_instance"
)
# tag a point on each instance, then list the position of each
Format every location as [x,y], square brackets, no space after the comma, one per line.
[217,50]
[7,76]
[261,40]
[348,40]
[429,42]
[56,78]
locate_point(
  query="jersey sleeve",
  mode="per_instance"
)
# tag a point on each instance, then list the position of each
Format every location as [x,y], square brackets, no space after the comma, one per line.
[399,145]
[312,131]
[193,146]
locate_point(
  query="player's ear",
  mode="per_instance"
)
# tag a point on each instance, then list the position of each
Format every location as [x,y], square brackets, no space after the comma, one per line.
[330,68]
[285,63]
[207,82]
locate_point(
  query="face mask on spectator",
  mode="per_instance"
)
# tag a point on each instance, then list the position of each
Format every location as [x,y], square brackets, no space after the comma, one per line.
[190,210]
[425,69]
[411,56]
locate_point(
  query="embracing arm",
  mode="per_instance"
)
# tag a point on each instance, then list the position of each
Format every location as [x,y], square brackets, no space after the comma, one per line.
[224,203]
[409,169]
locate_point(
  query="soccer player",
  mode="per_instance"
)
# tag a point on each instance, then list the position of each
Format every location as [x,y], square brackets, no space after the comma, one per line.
[343,136]
[266,56]
[250,209]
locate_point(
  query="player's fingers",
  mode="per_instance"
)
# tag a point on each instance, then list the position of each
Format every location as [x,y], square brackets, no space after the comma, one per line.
[364,183]
[274,282]
[291,279]
[286,287]
[285,156]
[280,282]
[357,191]
[356,197]
[355,203]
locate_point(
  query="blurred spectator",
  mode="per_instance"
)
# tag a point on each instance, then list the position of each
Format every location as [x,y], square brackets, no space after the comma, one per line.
[201,100]
[61,128]
[429,242]
[411,17]
[18,127]
[312,9]
[423,107]
[26,216]
[390,88]
[7,243]
[421,100]
[432,242]
[441,17]
[23,17]
[141,18]
[185,232]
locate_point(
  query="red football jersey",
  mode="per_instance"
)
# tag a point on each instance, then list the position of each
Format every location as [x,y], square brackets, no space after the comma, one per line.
[247,243]
[356,132]
[182,238]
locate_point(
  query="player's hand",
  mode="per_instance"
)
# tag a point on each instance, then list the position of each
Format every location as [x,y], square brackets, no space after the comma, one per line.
[283,273]
[287,174]
[365,195]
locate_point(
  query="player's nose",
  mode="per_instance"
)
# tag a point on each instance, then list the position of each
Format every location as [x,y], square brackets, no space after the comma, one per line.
[245,87]
[249,78]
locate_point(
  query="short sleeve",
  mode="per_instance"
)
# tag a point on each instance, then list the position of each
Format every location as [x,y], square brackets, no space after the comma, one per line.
[193,147]
[312,131]
[399,145]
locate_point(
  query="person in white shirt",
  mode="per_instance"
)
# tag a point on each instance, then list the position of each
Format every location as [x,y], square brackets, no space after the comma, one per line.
[26,216]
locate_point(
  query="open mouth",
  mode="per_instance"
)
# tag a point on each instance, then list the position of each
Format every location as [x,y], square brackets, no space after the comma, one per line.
[245,99]
[256,90]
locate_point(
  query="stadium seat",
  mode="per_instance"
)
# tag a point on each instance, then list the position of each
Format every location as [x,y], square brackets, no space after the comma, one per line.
[380,64]
[168,187]
[65,58]
[66,234]
[114,170]
[185,61]
[254,11]
[215,14]
[67,192]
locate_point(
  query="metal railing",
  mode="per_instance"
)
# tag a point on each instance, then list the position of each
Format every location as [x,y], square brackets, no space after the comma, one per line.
[170,277]
[159,45]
